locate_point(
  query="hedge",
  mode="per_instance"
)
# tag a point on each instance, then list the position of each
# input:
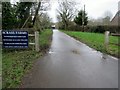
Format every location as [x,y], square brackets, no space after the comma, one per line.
[96,29]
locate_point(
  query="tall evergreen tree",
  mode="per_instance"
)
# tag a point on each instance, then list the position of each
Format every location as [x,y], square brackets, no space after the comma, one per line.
[81,18]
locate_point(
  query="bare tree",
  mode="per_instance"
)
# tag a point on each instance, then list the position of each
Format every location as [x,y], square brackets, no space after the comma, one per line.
[95,22]
[42,22]
[38,10]
[107,17]
[66,11]
[108,14]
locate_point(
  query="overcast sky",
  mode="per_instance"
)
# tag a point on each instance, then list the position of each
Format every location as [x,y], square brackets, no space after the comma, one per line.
[94,8]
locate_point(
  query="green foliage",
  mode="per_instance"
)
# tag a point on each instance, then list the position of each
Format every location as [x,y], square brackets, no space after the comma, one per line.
[102,29]
[14,16]
[19,15]
[8,17]
[14,65]
[45,38]
[96,41]
[81,18]
[98,29]
[23,11]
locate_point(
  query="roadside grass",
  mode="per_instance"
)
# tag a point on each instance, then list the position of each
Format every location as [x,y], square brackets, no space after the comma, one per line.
[16,63]
[96,41]
[45,39]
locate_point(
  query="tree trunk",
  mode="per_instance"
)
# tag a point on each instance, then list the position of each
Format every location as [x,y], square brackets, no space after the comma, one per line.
[36,13]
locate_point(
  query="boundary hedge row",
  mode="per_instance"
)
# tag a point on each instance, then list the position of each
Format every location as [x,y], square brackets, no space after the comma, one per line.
[95,29]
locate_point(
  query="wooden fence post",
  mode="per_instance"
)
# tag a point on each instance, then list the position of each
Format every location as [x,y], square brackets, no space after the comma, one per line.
[106,39]
[37,41]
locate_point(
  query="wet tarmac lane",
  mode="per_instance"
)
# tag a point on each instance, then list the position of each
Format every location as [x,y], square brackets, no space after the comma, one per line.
[71,64]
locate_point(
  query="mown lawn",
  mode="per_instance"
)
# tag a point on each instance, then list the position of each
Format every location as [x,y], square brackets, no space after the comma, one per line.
[16,63]
[96,41]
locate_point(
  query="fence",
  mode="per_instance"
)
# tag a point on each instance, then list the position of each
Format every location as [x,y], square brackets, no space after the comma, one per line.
[36,43]
[36,37]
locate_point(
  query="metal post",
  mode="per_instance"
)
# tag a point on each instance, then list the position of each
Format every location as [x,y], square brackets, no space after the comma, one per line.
[83,18]
[37,41]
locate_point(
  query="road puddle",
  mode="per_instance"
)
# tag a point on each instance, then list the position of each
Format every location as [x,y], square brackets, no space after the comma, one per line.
[75,52]
[51,52]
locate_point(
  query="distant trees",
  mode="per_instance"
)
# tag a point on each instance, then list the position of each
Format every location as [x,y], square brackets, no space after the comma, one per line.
[99,21]
[67,15]
[45,21]
[42,22]
[107,18]
[41,19]
[108,14]
[94,22]
[81,18]
[104,20]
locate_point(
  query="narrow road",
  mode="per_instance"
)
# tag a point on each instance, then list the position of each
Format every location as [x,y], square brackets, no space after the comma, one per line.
[72,64]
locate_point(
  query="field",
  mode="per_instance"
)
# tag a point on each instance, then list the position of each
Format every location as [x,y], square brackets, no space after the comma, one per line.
[16,63]
[96,41]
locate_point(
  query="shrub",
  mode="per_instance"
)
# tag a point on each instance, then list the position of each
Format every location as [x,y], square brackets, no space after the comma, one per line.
[96,29]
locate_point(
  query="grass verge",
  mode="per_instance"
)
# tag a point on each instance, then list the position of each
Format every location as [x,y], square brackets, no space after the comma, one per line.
[16,63]
[45,39]
[96,41]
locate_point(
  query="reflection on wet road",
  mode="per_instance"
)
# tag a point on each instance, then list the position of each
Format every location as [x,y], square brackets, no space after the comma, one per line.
[72,64]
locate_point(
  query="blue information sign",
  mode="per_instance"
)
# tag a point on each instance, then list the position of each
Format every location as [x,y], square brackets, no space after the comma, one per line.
[15,39]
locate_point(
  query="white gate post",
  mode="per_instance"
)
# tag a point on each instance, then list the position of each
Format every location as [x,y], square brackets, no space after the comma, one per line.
[106,39]
[37,41]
